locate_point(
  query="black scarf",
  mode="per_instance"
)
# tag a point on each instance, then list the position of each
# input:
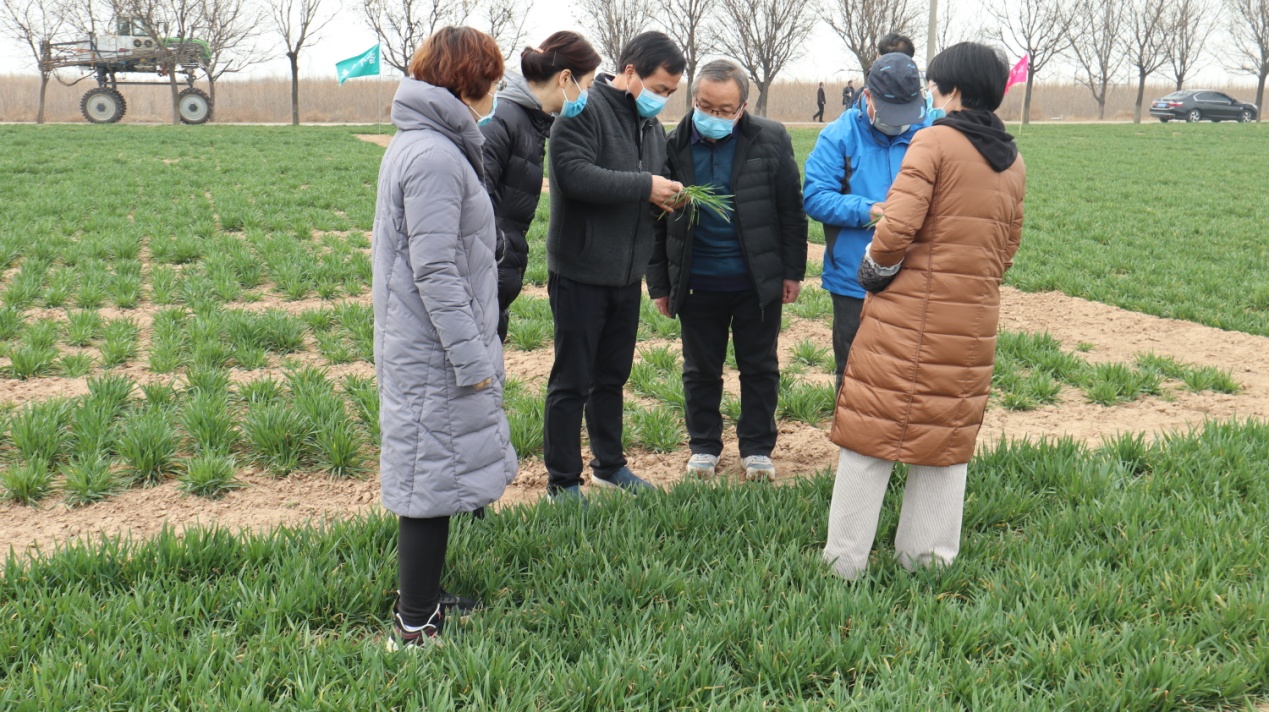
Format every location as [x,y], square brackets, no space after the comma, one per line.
[987,133]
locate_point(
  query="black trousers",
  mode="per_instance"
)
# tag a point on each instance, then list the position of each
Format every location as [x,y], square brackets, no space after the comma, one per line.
[846,311]
[596,329]
[707,319]
[819,116]
[421,546]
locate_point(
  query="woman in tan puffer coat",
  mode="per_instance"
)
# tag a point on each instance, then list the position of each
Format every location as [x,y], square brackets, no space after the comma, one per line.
[919,373]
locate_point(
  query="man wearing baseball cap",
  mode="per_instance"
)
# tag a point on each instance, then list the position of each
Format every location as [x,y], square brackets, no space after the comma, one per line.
[848,174]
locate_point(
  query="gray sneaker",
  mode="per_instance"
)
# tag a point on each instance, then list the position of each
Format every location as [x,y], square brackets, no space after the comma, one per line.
[758,468]
[567,495]
[626,480]
[702,465]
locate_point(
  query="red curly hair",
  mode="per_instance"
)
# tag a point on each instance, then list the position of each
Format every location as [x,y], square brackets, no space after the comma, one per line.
[465,61]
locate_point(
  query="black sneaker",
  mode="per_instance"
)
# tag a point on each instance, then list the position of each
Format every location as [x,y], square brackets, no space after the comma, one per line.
[457,605]
[428,635]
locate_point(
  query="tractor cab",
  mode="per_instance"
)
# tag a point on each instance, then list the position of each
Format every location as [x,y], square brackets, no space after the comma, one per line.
[135,27]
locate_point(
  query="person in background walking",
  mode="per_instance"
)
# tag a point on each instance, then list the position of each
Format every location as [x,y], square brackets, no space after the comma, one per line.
[731,274]
[895,42]
[920,370]
[606,195]
[554,80]
[446,446]
[820,101]
[848,95]
[849,172]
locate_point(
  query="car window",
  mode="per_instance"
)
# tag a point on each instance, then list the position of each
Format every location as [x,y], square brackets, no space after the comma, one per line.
[1178,95]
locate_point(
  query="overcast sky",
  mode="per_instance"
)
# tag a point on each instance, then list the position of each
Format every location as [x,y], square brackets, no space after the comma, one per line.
[826,58]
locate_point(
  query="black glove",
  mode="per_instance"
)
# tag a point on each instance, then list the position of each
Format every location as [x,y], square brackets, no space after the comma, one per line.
[873,277]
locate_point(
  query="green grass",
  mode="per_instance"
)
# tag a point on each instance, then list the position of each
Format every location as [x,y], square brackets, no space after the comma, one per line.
[1175,243]
[1084,582]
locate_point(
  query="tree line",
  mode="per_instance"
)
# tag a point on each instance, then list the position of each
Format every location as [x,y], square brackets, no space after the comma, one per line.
[1107,41]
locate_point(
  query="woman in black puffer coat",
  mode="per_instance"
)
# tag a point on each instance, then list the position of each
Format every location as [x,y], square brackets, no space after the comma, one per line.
[553,82]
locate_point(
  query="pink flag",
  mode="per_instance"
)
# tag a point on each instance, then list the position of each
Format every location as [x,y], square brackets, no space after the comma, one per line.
[1018,74]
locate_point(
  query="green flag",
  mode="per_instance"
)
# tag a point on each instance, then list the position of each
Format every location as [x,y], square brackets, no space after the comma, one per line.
[363,65]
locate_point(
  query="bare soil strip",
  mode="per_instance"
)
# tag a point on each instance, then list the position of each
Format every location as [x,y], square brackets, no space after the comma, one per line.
[1115,335]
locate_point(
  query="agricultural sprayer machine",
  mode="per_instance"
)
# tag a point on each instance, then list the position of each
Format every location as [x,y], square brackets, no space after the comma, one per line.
[134,48]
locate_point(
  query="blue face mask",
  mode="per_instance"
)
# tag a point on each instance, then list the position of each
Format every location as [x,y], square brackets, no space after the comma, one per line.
[935,113]
[712,127]
[649,103]
[574,107]
[482,120]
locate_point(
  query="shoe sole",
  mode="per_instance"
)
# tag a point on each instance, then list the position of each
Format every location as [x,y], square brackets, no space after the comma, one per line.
[702,473]
[760,475]
[632,491]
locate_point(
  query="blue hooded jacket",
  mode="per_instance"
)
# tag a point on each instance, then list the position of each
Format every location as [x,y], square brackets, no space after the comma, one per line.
[842,201]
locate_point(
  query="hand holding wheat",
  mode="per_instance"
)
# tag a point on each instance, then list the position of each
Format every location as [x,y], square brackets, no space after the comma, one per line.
[702,196]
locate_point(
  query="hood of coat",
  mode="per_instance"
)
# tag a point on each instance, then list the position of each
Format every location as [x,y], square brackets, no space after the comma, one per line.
[986,132]
[419,105]
[518,93]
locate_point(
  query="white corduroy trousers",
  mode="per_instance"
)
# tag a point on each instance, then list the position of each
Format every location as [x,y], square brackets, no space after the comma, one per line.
[929,523]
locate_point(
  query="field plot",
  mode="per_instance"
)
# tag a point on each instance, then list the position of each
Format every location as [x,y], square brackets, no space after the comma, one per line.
[191,339]
[187,338]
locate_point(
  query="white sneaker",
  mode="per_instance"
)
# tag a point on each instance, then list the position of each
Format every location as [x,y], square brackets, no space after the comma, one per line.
[758,468]
[702,465]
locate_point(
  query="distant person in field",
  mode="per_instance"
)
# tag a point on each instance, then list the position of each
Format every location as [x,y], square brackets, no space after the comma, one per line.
[848,95]
[820,101]
[849,172]
[895,42]
[446,444]
[920,370]
[554,80]
[606,196]
[730,275]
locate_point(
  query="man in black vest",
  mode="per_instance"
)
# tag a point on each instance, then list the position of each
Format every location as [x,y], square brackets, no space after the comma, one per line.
[606,194]
[729,274]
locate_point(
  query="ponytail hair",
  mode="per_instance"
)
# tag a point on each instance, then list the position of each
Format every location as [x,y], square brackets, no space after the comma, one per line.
[560,51]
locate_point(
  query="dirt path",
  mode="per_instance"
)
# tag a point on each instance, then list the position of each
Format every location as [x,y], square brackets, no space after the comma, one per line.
[1115,335]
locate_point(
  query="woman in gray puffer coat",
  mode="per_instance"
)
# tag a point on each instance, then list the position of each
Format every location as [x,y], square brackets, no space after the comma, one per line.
[446,445]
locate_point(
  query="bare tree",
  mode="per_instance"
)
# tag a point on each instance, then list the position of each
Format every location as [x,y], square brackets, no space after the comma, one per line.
[297,22]
[1096,40]
[1249,26]
[613,23]
[230,28]
[172,25]
[687,22]
[1146,30]
[954,28]
[1037,29]
[764,36]
[505,20]
[34,24]
[860,23]
[1189,27]
[402,25]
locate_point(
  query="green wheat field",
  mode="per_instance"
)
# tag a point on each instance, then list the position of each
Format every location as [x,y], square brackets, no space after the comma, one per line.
[210,288]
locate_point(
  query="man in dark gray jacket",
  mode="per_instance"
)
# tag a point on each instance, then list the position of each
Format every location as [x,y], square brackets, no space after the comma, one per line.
[606,194]
[729,274]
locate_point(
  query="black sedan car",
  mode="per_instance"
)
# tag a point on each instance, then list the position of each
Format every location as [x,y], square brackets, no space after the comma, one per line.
[1202,105]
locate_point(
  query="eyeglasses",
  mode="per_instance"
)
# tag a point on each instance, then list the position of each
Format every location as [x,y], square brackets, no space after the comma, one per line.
[719,114]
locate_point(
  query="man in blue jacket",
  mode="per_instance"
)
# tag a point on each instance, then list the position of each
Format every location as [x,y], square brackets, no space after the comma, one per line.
[848,174]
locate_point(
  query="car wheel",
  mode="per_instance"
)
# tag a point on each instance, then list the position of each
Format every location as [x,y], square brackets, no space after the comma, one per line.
[1195,116]
[1246,116]
[1164,119]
